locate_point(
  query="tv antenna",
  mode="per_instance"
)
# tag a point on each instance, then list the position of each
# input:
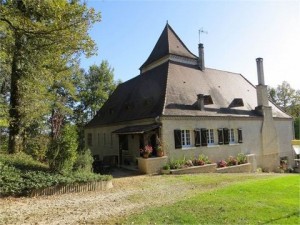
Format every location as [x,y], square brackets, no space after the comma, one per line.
[202,31]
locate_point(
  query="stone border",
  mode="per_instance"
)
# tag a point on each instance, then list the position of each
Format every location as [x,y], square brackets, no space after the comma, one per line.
[243,168]
[72,188]
[208,168]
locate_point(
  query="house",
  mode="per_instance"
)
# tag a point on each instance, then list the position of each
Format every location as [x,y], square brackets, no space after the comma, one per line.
[189,109]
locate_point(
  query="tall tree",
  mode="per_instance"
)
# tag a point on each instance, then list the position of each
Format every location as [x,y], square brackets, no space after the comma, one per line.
[40,35]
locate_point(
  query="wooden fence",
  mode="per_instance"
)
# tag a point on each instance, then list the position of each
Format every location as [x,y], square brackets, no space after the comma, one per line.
[72,188]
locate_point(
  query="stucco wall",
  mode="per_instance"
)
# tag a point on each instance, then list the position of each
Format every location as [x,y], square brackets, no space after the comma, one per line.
[111,145]
[285,132]
[251,143]
[252,139]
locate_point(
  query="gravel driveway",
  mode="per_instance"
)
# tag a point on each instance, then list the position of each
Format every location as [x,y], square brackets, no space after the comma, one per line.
[129,195]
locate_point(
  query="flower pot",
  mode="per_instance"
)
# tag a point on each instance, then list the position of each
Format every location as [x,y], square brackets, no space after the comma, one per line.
[160,153]
[145,155]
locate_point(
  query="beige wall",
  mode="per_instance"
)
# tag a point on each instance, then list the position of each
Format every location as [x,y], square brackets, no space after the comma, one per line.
[251,128]
[110,145]
[252,143]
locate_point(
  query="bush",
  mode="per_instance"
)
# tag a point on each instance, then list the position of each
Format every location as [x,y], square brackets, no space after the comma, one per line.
[166,167]
[62,152]
[177,164]
[16,182]
[37,147]
[84,161]
[231,161]
[222,163]
[22,161]
[241,158]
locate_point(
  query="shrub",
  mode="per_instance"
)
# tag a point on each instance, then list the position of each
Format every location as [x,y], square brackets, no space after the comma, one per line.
[62,152]
[177,164]
[84,161]
[189,163]
[222,163]
[22,161]
[37,147]
[241,158]
[231,161]
[166,167]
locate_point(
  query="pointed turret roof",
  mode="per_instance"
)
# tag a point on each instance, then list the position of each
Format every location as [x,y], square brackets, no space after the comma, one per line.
[168,43]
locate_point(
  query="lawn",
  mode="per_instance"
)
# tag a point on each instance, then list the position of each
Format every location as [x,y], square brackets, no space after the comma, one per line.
[270,199]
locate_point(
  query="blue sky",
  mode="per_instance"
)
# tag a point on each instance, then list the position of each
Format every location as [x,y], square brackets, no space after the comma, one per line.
[238,33]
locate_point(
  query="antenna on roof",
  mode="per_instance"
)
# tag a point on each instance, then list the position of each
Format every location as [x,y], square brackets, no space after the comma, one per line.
[202,31]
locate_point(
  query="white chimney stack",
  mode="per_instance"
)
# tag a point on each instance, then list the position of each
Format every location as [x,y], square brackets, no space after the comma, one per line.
[260,71]
[261,88]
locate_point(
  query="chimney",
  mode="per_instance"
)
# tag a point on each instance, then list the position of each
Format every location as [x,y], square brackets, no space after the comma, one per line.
[261,88]
[200,101]
[260,71]
[201,57]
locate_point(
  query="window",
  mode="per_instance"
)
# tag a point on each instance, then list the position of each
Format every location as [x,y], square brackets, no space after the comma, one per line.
[185,138]
[111,139]
[226,136]
[220,136]
[90,139]
[104,139]
[210,136]
[231,135]
[240,136]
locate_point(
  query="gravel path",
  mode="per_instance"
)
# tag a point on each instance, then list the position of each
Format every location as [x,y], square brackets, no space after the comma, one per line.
[129,195]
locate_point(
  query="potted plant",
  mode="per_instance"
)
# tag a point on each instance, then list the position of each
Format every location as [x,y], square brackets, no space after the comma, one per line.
[165,169]
[146,151]
[159,151]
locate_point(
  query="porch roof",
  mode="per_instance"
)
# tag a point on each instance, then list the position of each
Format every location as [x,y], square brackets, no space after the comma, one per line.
[137,129]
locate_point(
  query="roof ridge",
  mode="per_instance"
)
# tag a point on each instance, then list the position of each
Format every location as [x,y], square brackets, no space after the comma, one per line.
[223,70]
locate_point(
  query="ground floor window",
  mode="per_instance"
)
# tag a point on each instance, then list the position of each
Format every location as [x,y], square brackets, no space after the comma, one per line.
[186,138]
[231,136]
[210,136]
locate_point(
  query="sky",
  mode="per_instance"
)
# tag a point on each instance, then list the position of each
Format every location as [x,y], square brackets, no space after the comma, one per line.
[238,33]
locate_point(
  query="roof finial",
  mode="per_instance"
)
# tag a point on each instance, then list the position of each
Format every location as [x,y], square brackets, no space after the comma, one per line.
[202,31]
[167,22]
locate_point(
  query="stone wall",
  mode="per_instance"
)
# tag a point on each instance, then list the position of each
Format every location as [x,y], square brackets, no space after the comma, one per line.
[151,165]
[244,168]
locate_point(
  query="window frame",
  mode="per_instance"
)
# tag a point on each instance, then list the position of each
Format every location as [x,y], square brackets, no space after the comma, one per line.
[186,141]
[210,136]
[231,136]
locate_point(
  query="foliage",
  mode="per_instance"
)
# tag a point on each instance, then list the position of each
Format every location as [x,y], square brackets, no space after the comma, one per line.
[166,167]
[241,158]
[234,202]
[222,163]
[62,152]
[84,161]
[23,161]
[177,164]
[231,161]
[37,146]
[297,127]
[51,34]
[202,160]
[20,173]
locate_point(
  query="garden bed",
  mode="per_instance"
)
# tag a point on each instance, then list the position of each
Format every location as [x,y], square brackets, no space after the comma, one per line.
[243,168]
[208,168]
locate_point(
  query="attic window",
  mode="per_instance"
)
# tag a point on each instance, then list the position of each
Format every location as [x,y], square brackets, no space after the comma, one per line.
[237,102]
[208,100]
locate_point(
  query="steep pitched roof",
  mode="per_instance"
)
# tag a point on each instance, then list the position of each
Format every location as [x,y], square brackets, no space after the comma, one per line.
[168,43]
[186,82]
[139,98]
[171,89]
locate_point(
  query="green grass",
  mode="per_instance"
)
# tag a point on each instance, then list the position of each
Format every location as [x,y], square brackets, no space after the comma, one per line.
[267,200]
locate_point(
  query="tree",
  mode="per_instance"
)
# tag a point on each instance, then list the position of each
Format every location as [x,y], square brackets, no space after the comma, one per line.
[93,88]
[288,99]
[40,36]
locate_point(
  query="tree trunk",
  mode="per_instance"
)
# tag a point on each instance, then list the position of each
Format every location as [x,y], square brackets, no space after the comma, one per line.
[15,98]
